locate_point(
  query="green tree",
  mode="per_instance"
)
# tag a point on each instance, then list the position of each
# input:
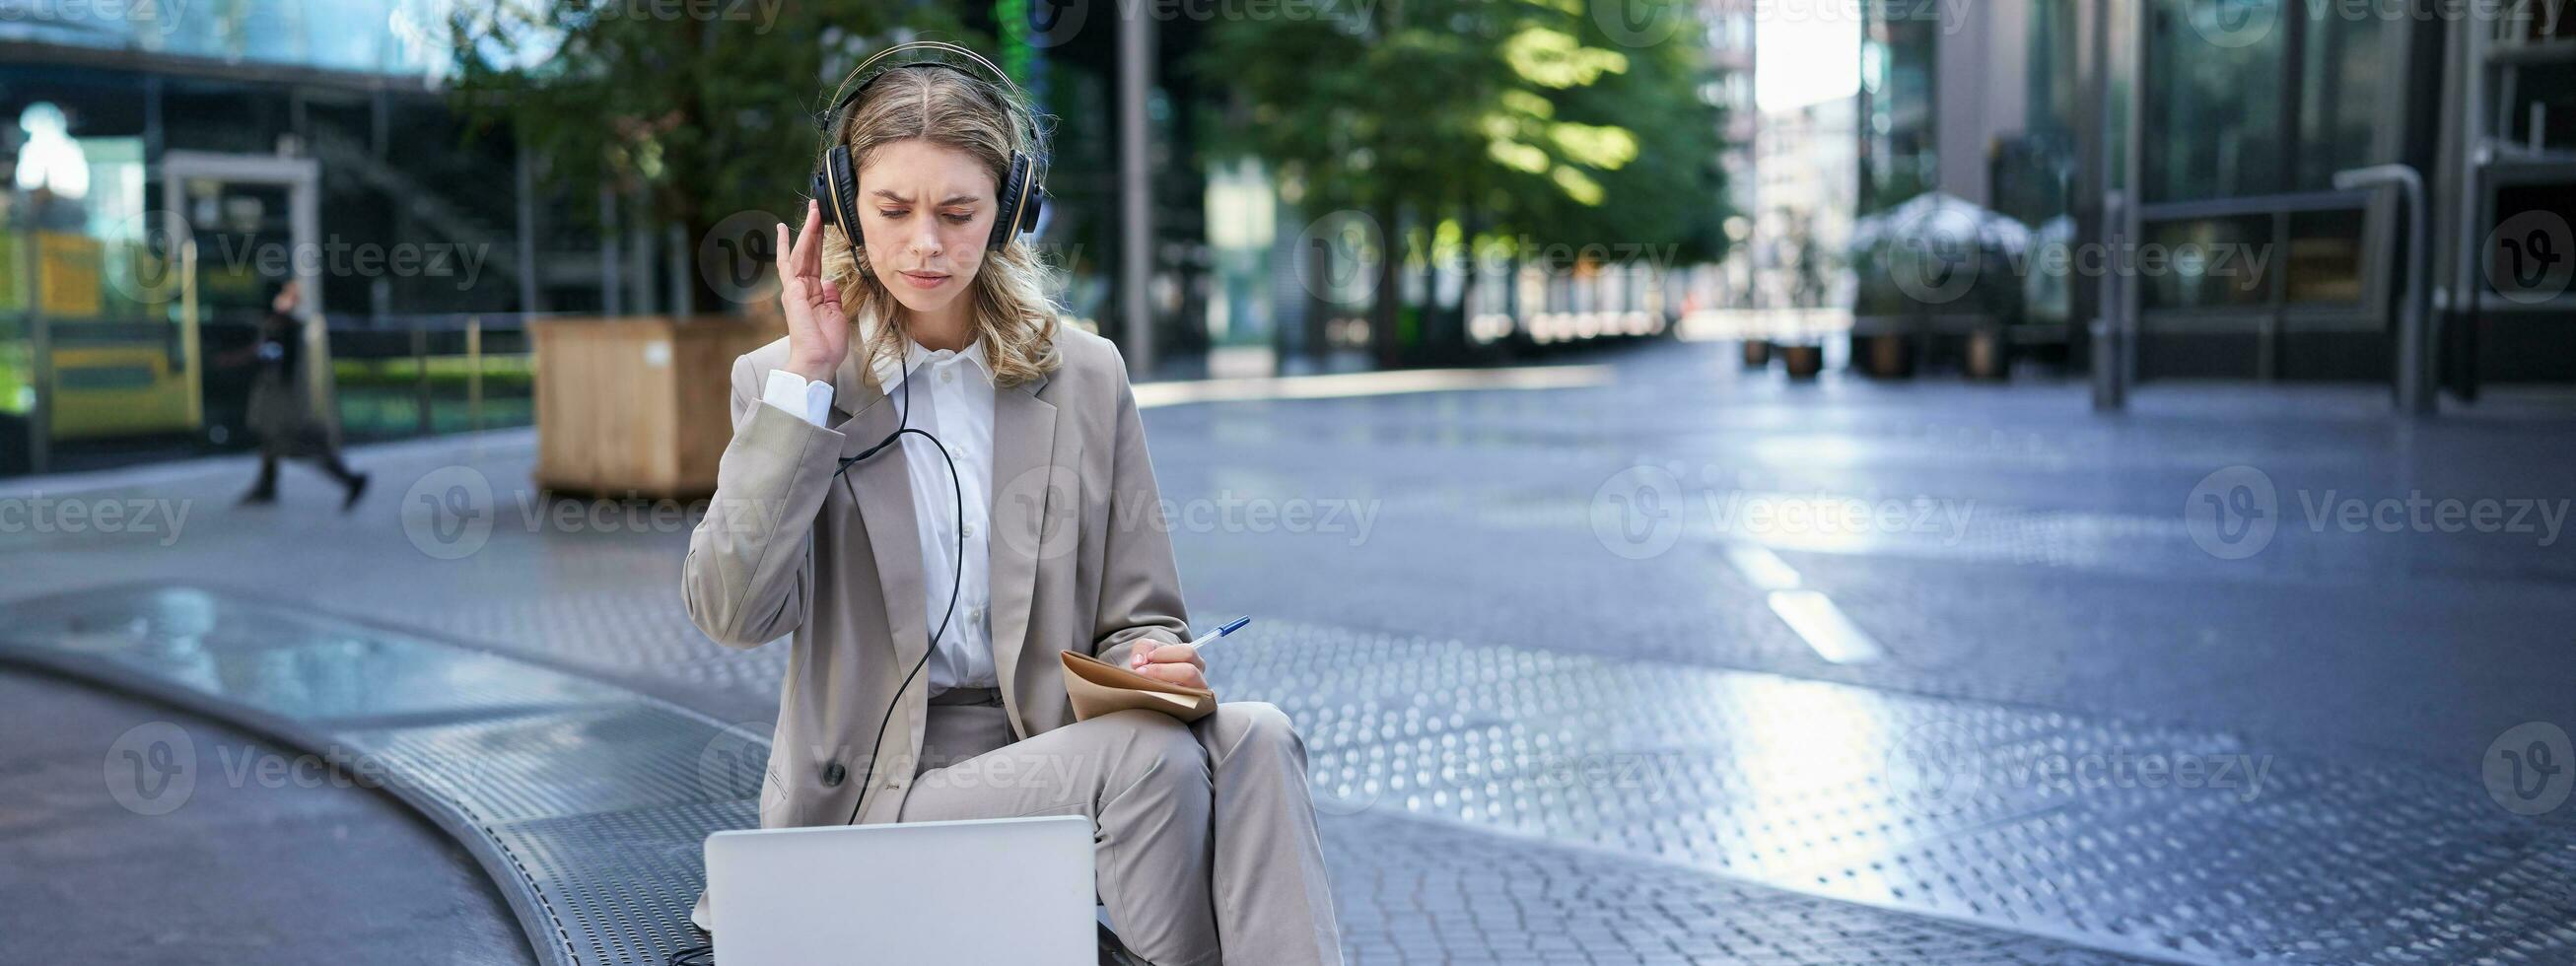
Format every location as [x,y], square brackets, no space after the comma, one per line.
[701,117]
[1480,121]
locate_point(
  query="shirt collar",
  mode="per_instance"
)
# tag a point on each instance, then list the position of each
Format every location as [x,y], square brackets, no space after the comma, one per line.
[914,354]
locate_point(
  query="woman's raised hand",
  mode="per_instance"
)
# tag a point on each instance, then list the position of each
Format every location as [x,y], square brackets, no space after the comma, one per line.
[818,332]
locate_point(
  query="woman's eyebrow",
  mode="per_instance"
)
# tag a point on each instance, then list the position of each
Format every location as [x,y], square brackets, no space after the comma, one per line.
[890,195]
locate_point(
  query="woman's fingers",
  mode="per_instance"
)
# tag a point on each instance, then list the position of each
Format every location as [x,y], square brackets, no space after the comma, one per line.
[786,278]
[1176,672]
[1171,654]
[808,258]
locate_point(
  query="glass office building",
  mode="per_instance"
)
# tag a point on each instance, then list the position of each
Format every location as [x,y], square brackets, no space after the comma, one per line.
[2219,127]
[166,163]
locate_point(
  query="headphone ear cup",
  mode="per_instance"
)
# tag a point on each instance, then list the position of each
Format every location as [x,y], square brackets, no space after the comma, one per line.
[1008,215]
[839,185]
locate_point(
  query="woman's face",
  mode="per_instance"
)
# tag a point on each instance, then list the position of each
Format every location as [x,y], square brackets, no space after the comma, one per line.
[924,213]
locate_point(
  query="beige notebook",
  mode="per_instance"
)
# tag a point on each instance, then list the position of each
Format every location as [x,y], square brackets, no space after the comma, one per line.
[1098,687]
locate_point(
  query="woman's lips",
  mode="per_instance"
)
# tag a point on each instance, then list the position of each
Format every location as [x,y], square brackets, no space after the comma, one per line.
[920,280]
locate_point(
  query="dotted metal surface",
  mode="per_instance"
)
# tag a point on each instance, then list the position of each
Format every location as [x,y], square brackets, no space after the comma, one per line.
[592,818]
[2372,669]
[588,805]
[596,760]
[1411,891]
[621,883]
[2015,817]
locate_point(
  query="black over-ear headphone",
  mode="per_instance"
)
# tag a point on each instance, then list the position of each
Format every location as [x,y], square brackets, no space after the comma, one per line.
[836,181]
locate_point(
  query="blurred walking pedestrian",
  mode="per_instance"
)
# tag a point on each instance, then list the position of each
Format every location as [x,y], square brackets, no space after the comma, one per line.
[280,413]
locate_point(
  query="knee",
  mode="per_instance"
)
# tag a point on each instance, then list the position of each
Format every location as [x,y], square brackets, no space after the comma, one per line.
[1160,750]
[1260,725]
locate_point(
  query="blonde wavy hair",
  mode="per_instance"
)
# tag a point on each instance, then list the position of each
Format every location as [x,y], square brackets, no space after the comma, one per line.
[1010,310]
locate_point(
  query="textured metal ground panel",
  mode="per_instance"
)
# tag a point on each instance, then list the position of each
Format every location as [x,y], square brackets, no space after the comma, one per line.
[622,882]
[1959,809]
[1413,891]
[590,806]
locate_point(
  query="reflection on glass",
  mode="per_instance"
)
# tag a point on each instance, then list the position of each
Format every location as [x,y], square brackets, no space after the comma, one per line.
[2325,257]
[2216,83]
[2207,263]
[1897,84]
[2343,95]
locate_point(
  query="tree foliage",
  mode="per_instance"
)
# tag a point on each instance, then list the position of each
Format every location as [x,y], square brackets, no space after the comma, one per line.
[700,116]
[1546,119]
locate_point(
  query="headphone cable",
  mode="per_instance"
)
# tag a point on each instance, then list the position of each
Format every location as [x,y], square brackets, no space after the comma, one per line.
[704,954]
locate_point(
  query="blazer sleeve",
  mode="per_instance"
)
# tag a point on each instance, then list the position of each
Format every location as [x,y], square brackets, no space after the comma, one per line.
[1140,585]
[749,576]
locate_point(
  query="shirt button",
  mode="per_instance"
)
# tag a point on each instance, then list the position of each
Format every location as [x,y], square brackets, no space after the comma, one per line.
[832,774]
[948,375]
[970,530]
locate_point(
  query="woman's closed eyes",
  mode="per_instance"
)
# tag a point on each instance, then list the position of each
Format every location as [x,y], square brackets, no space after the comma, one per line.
[953,217]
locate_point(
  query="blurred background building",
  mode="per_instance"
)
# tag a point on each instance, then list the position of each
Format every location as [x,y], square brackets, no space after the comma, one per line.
[2210,130]
[1234,196]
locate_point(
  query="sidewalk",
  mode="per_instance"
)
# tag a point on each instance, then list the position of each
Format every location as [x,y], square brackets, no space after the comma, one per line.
[1510,705]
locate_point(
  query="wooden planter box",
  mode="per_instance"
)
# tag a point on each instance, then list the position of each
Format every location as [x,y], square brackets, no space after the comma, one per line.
[636,406]
[1802,360]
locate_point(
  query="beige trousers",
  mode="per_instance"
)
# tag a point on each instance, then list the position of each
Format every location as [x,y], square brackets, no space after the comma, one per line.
[1207,851]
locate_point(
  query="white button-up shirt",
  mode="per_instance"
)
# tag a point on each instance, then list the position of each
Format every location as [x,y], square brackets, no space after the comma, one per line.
[955,393]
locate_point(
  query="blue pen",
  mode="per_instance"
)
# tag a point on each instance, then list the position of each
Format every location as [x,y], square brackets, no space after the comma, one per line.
[1228,627]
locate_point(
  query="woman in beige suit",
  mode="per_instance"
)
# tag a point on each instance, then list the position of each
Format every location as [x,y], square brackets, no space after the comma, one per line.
[926,608]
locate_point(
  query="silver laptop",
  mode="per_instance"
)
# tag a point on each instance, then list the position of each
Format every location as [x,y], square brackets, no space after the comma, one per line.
[1014,890]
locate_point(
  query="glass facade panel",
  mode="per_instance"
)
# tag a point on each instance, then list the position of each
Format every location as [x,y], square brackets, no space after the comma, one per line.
[99,361]
[75,259]
[1898,144]
[366,36]
[2213,78]
[2345,91]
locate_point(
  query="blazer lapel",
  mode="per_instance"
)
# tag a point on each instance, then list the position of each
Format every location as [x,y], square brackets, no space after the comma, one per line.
[881,486]
[1024,481]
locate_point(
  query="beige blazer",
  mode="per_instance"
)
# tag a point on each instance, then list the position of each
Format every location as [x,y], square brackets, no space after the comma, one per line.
[1081,561]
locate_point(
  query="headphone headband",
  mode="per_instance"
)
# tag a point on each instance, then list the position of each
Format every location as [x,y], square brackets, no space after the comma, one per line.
[846,92]
[1019,196]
